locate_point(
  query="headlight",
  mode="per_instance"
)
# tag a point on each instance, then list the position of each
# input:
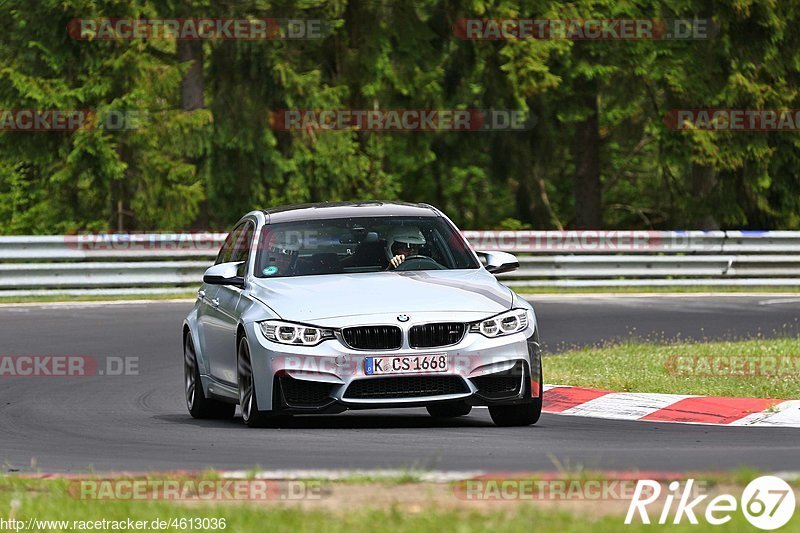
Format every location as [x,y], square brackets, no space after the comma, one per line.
[506,323]
[296,334]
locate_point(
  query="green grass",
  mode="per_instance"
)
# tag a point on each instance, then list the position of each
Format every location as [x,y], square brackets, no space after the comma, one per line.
[737,477]
[96,298]
[49,500]
[670,368]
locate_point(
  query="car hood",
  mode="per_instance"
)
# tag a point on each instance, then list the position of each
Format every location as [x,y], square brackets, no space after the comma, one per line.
[310,298]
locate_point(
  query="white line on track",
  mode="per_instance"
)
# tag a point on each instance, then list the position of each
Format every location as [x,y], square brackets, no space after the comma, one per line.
[625,405]
[780,301]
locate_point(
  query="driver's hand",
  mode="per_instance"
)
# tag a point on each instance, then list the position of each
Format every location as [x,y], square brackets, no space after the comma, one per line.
[396,260]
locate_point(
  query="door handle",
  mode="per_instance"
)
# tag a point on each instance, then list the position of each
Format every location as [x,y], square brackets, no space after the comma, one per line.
[201,294]
[215,302]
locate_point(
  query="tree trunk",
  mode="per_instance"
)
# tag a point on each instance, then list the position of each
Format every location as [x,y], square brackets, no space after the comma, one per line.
[192,97]
[192,83]
[586,154]
[704,179]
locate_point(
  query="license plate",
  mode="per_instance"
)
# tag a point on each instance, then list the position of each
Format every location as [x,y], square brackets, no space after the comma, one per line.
[405,364]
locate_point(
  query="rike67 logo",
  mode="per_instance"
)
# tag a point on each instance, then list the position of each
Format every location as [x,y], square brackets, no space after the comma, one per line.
[767,502]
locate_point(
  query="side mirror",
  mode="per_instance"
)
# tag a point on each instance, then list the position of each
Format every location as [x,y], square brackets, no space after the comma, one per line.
[498,262]
[224,274]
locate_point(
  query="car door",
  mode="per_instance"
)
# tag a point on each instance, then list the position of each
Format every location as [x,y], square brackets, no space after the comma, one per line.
[206,313]
[228,297]
[220,320]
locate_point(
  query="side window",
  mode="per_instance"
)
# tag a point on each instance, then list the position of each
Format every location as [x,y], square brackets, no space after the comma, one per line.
[224,255]
[241,247]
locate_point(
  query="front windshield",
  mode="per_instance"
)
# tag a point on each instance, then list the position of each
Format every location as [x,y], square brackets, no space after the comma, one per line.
[353,245]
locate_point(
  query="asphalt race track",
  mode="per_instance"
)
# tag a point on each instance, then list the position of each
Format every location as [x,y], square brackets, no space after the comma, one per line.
[140,422]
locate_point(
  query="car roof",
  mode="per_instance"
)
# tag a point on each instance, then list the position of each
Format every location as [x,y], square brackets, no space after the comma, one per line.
[291,213]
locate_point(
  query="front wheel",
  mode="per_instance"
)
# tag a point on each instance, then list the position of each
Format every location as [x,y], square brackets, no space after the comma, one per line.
[199,406]
[523,414]
[248,400]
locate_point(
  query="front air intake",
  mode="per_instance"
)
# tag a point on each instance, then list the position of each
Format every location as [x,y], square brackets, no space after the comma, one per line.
[506,384]
[304,393]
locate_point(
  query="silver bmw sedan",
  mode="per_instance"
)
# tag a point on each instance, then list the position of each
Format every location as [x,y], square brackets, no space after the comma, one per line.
[320,308]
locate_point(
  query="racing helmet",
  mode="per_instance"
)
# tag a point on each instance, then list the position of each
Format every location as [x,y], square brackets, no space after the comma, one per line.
[408,235]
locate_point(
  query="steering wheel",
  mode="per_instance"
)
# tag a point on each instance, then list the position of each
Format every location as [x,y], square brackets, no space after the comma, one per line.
[415,259]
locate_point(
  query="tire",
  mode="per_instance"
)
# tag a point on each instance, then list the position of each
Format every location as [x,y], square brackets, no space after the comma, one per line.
[449,410]
[199,406]
[248,399]
[524,414]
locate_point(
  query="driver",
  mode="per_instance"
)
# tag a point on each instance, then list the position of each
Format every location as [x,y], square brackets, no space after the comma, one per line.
[405,242]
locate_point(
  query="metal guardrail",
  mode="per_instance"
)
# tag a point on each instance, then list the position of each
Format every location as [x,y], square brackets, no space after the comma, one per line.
[110,246]
[175,262]
[81,275]
[636,242]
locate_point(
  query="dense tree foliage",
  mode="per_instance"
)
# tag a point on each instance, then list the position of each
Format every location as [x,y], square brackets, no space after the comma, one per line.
[202,152]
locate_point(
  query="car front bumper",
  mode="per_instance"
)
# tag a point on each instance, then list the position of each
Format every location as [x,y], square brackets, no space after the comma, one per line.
[330,378]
